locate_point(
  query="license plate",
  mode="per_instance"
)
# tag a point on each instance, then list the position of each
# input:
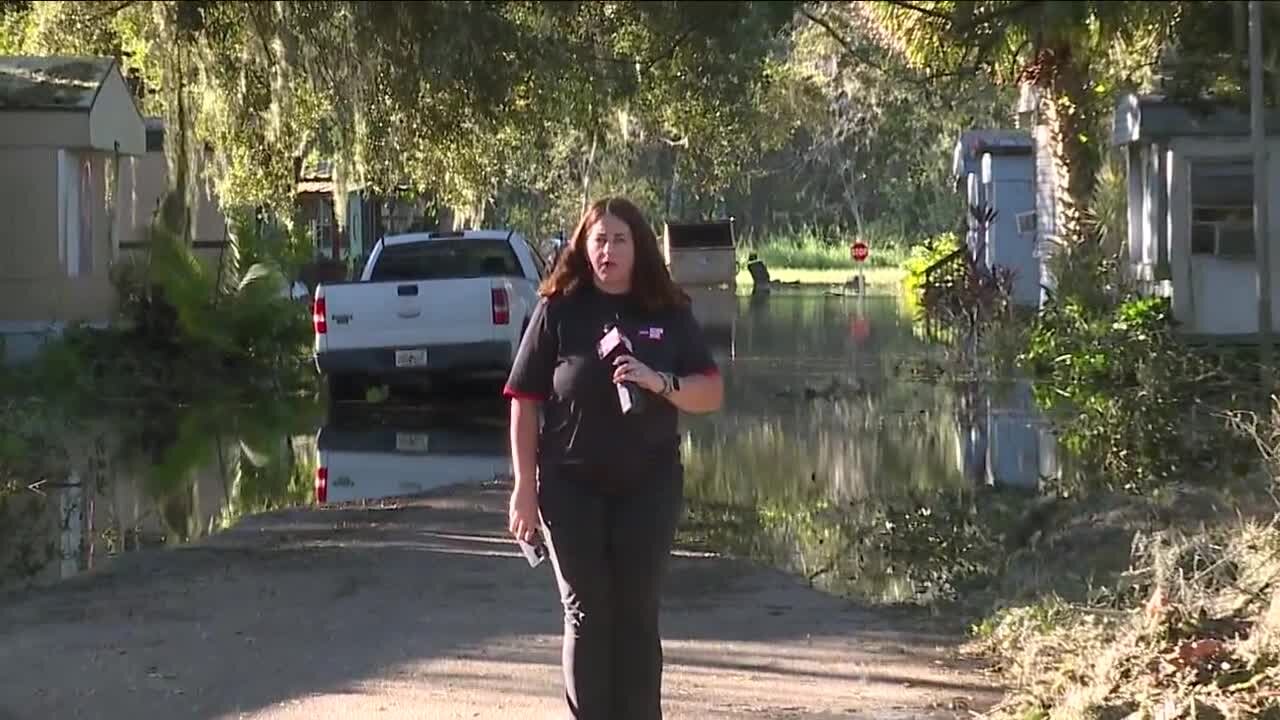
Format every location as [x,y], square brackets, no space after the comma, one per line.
[412,442]
[411,358]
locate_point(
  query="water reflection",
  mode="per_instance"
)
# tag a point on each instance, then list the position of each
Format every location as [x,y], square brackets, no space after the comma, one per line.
[845,456]
[717,313]
[408,456]
[163,477]
[842,454]
[825,392]
[173,477]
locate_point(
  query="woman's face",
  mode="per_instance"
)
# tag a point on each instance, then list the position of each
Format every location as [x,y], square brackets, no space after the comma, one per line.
[612,253]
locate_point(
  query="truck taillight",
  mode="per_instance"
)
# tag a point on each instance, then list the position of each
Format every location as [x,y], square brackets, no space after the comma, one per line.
[317,317]
[322,485]
[501,307]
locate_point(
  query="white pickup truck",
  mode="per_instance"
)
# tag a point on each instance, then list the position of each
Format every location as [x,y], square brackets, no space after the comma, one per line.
[428,305]
[371,462]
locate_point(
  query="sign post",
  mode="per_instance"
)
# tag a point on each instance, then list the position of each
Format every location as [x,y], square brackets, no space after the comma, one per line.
[859,252]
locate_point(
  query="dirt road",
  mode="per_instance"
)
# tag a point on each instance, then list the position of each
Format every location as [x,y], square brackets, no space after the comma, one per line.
[424,609]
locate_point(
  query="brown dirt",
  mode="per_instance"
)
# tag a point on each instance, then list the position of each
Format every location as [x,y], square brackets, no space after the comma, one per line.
[424,609]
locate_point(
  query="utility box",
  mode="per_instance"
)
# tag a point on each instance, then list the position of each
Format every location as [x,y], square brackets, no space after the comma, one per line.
[703,253]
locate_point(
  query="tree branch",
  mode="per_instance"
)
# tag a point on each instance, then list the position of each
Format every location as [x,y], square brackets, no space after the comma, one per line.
[112,10]
[670,52]
[844,42]
[974,22]
[645,64]
[944,17]
[261,29]
[862,57]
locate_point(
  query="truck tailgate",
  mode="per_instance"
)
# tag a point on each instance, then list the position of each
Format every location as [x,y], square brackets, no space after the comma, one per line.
[410,313]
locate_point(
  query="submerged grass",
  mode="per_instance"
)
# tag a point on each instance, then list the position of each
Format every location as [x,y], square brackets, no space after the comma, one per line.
[815,249]
[880,280]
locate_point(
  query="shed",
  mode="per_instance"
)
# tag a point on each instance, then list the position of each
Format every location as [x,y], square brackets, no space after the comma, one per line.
[996,168]
[66,125]
[1190,205]
[702,253]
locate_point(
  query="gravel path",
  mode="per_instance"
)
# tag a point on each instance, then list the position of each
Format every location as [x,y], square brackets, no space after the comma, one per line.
[424,609]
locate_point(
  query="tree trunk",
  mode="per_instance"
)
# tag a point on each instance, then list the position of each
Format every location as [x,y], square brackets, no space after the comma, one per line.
[587,171]
[852,204]
[674,185]
[1064,106]
[446,219]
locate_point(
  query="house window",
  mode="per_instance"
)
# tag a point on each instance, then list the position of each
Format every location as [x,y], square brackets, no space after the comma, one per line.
[76,198]
[321,227]
[88,197]
[1222,208]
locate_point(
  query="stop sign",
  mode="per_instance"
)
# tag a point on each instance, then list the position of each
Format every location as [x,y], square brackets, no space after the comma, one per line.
[858,251]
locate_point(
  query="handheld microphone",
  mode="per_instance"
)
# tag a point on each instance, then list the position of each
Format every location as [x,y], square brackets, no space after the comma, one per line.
[613,344]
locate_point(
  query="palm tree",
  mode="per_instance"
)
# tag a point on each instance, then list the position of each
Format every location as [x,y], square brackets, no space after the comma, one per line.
[1063,49]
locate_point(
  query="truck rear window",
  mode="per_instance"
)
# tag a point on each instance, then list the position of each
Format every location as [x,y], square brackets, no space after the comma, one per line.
[445,259]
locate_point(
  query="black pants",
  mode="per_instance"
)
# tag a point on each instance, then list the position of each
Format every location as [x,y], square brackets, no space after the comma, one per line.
[609,547]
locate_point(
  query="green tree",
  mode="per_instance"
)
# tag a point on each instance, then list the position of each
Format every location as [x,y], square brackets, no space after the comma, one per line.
[1074,53]
[872,137]
[1207,55]
[435,96]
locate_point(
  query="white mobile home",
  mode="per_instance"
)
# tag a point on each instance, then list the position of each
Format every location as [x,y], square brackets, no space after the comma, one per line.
[1190,193]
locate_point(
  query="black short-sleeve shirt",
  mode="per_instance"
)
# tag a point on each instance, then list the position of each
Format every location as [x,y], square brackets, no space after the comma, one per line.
[558,365]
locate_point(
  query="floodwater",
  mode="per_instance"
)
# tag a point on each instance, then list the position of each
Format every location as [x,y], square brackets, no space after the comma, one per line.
[841,455]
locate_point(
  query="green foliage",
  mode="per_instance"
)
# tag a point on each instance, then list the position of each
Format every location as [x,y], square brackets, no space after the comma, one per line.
[1107,357]
[235,315]
[1077,55]
[911,549]
[29,451]
[1108,213]
[1208,54]
[921,258]
[1129,392]
[457,101]
[249,442]
[510,113]
[868,139]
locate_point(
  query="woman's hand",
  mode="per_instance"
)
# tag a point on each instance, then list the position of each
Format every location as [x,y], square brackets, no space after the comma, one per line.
[522,515]
[629,369]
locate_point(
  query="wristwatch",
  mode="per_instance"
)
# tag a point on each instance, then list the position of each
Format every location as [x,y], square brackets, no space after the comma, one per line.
[671,384]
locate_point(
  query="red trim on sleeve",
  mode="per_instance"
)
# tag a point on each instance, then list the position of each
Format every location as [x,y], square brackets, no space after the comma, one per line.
[511,393]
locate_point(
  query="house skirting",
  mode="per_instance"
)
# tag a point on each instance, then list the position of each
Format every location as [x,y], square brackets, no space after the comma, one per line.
[21,341]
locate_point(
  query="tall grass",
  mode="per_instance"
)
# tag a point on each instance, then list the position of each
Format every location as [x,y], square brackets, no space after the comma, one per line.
[816,249]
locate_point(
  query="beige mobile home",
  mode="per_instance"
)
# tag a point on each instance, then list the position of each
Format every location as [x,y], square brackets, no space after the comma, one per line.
[66,126]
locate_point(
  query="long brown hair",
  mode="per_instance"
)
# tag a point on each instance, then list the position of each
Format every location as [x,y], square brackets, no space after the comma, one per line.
[651,283]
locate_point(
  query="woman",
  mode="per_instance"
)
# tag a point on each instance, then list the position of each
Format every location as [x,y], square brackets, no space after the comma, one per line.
[604,487]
